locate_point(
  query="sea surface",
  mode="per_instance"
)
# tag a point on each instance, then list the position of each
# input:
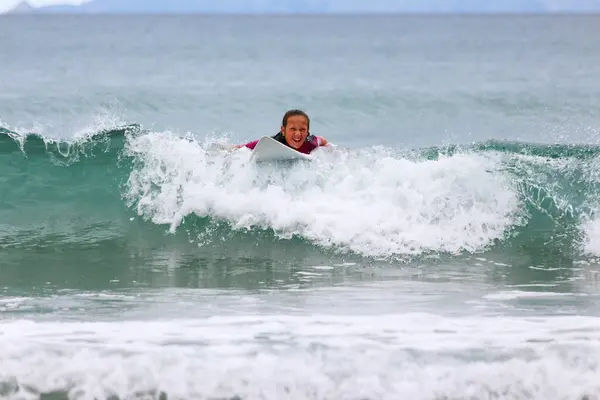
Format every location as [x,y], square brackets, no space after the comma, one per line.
[446,246]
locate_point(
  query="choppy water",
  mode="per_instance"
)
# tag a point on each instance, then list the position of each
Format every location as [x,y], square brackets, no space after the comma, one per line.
[445,248]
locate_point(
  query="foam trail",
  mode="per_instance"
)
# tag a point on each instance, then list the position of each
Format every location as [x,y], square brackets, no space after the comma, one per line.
[370,202]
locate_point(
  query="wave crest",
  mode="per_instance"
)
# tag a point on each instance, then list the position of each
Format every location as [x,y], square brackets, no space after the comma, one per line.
[375,201]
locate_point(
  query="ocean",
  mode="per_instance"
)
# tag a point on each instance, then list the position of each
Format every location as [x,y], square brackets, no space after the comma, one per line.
[446,246]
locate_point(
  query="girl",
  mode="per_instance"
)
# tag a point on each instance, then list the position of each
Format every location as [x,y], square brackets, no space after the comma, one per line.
[295,133]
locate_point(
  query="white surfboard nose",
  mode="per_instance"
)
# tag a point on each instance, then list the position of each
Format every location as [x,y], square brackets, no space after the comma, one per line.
[269,149]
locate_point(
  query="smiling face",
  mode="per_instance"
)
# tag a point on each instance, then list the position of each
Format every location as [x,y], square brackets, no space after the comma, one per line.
[296,131]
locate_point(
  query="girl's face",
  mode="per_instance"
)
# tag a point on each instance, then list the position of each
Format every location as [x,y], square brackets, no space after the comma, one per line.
[296,131]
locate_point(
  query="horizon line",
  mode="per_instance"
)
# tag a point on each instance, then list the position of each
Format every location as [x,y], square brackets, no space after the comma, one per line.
[39,12]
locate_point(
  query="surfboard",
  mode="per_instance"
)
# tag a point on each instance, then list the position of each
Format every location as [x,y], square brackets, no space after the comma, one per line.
[269,149]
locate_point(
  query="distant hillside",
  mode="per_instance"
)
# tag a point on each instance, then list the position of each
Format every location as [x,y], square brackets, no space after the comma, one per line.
[320,6]
[23,7]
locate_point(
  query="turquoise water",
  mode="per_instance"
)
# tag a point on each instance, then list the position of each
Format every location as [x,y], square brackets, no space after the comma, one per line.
[446,247]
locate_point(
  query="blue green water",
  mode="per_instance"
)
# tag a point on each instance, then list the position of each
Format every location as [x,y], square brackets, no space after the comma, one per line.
[445,247]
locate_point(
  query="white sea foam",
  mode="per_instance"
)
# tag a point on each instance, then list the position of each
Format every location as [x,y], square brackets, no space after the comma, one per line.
[592,230]
[591,223]
[371,202]
[416,356]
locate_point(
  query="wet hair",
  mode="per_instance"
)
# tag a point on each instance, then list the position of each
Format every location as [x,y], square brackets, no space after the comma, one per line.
[293,113]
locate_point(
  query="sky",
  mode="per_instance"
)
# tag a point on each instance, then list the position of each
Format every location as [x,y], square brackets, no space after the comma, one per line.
[548,5]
